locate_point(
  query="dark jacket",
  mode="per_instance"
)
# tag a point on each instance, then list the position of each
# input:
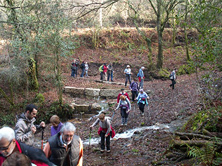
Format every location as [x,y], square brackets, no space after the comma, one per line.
[59,153]
[36,156]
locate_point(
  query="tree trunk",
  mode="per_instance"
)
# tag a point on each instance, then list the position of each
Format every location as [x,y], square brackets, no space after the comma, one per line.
[160,50]
[33,81]
[185,33]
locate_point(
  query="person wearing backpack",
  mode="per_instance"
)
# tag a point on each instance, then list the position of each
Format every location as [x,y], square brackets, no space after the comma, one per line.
[77,65]
[105,70]
[142,100]
[101,72]
[105,131]
[134,89]
[83,69]
[173,78]
[125,107]
[141,77]
[73,68]
[122,93]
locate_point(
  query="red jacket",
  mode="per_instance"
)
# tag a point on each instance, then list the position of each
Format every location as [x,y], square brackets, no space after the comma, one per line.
[118,97]
[105,69]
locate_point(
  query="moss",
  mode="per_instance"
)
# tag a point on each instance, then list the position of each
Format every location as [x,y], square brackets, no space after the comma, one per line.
[163,73]
[185,69]
[40,98]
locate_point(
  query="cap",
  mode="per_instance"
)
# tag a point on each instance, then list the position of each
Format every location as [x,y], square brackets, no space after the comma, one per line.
[122,89]
[142,67]
[128,66]
[141,90]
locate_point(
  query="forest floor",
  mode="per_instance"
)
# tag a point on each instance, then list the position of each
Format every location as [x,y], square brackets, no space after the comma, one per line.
[147,146]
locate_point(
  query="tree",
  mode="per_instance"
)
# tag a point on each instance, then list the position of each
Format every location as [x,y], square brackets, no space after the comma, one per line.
[162,10]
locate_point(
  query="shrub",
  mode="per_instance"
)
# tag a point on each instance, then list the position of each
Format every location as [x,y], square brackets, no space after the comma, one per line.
[40,98]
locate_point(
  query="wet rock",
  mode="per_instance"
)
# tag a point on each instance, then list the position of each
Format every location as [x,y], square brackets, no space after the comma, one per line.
[90,92]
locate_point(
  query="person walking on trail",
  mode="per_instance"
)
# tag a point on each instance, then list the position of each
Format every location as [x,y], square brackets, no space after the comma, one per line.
[110,72]
[101,72]
[82,66]
[134,89]
[65,148]
[86,69]
[73,69]
[122,93]
[25,128]
[56,124]
[77,62]
[105,131]
[173,78]
[9,145]
[142,100]
[141,77]
[105,70]
[125,107]
[128,73]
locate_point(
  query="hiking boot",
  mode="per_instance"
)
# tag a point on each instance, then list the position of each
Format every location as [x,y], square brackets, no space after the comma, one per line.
[125,124]
[121,124]
[142,114]
[101,150]
[108,151]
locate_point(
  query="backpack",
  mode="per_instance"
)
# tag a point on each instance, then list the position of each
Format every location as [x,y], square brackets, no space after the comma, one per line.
[134,86]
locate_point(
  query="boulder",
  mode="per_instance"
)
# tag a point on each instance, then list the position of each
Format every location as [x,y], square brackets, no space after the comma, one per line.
[109,93]
[95,107]
[90,92]
[76,92]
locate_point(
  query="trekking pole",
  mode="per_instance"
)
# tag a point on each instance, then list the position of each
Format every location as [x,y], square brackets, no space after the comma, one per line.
[42,137]
[90,130]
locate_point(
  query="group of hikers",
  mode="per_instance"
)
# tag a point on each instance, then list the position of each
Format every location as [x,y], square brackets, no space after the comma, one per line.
[83,66]
[64,148]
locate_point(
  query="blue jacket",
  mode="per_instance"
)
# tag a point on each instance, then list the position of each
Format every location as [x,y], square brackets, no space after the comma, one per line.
[141,96]
[140,74]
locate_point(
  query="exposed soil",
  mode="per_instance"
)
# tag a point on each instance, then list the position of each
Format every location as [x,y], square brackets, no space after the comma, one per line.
[165,106]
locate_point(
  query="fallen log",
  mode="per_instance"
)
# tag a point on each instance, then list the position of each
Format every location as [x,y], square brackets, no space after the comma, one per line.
[195,142]
[192,135]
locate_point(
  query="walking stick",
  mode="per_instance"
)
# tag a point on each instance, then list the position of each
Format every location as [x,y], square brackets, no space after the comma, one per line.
[90,130]
[42,137]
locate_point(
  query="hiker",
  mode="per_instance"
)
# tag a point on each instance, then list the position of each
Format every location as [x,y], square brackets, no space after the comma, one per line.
[65,148]
[125,107]
[134,89]
[82,66]
[77,65]
[56,124]
[9,145]
[128,73]
[110,72]
[25,128]
[105,71]
[173,78]
[105,131]
[101,72]
[141,77]
[73,69]
[86,69]
[142,100]
[122,93]
[17,159]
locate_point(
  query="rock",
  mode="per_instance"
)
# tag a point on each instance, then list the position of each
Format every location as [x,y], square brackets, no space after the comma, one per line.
[109,93]
[95,107]
[76,92]
[90,92]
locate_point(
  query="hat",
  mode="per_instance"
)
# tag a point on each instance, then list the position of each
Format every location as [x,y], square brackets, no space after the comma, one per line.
[122,89]
[141,90]
[128,66]
[142,67]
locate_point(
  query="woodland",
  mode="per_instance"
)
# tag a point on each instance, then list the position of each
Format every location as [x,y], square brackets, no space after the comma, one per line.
[40,38]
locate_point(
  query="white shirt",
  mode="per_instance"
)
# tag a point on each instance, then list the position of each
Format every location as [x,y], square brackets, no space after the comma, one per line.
[127,71]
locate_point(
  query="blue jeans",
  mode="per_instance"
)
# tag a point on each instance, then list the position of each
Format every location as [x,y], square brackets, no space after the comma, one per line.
[110,75]
[86,73]
[73,73]
[82,74]
[141,84]
[128,77]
